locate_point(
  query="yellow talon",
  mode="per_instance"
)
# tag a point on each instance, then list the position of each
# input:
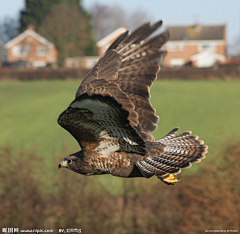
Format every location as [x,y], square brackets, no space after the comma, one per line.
[169,179]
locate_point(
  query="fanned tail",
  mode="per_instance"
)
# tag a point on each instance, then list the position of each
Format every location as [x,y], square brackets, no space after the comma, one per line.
[180,152]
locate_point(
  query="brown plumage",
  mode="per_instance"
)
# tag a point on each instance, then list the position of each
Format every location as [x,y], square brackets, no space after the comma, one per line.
[112,117]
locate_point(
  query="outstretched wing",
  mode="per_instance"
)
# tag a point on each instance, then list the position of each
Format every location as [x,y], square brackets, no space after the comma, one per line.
[101,126]
[112,111]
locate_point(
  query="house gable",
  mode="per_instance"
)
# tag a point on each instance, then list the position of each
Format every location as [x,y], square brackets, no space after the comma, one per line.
[32,49]
[25,34]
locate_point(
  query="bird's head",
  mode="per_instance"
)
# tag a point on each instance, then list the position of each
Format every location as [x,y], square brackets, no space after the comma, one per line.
[71,162]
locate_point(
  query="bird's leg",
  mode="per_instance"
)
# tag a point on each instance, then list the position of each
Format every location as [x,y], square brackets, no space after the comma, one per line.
[169,179]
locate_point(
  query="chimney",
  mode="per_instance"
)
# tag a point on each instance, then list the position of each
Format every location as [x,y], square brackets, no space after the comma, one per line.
[197,27]
[31,27]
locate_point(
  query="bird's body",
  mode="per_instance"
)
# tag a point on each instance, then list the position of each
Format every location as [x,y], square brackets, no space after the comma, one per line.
[112,117]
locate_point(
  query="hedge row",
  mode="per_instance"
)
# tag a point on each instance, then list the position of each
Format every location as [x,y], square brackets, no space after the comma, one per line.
[40,74]
[224,72]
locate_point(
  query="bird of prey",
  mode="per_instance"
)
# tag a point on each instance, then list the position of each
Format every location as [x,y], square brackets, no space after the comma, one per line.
[112,117]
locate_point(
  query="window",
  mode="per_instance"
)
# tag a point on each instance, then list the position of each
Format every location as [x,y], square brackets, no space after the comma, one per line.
[42,50]
[176,46]
[21,50]
[181,46]
[207,47]
[172,47]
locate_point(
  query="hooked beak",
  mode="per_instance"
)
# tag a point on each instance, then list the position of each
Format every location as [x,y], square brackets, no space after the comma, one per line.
[62,164]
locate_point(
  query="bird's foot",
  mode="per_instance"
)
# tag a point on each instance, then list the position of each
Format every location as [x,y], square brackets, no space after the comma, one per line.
[169,179]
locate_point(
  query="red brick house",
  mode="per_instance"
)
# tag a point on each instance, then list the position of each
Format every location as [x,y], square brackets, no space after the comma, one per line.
[200,46]
[31,48]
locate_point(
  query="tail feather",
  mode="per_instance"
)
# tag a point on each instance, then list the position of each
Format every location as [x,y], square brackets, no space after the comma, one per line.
[180,152]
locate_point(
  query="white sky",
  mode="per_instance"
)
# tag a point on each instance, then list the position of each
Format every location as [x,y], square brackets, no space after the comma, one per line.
[172,12]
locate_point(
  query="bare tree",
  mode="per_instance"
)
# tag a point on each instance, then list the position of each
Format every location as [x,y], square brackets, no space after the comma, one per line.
[106,19]
[8,29]
[236,47]
[137,18]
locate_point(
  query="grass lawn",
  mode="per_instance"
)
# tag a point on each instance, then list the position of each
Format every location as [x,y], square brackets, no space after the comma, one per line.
[29,112]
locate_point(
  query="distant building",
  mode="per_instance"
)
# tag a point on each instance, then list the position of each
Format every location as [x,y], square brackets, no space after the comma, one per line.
[104,43]
[89,62]
[199,46]
[30,49]
[86,62]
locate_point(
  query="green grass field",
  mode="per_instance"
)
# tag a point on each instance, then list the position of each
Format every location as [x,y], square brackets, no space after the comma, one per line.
[29,112]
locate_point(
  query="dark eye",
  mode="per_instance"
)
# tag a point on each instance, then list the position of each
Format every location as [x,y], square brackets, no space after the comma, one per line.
[69,161]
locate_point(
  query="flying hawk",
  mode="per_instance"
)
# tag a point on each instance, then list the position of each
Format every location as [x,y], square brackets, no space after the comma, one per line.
[112,117]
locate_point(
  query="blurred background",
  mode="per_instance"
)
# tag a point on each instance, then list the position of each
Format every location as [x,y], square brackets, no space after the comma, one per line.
[47,47]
